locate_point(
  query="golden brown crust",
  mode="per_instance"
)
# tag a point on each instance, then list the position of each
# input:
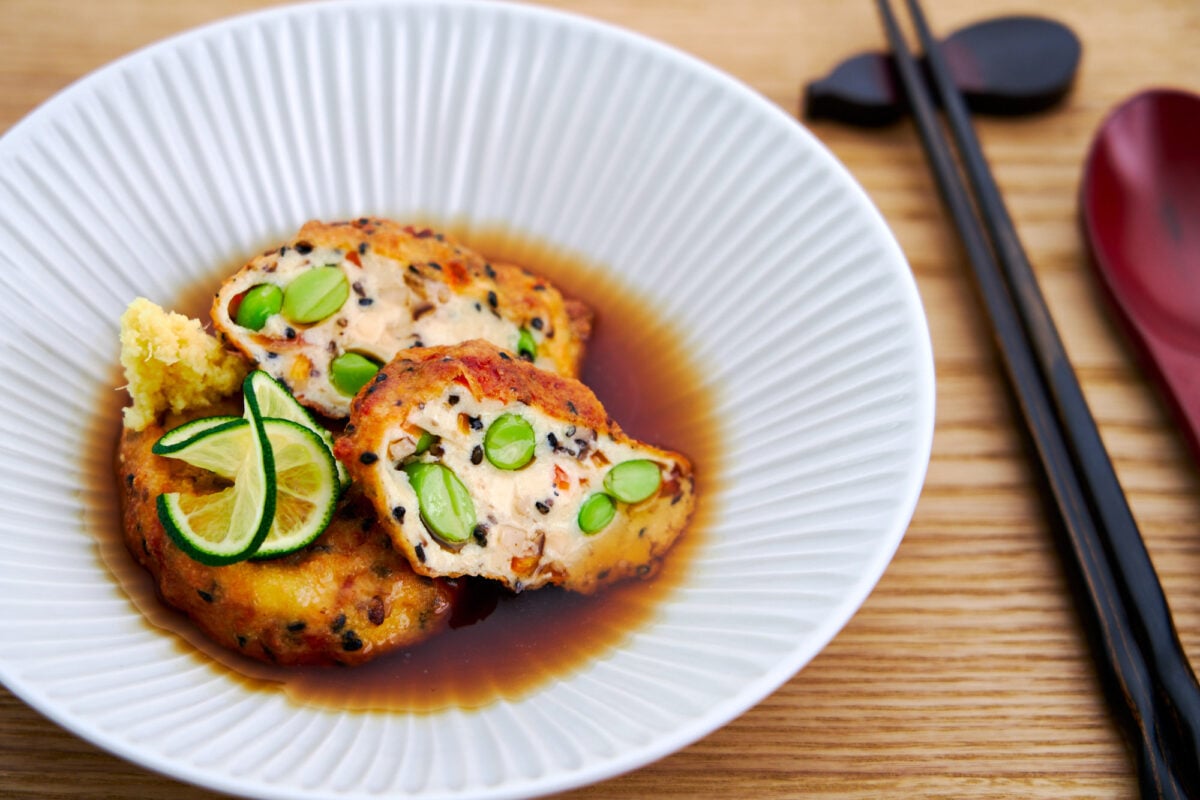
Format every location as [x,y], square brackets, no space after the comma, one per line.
[546,545]
[422,373]
[345,599]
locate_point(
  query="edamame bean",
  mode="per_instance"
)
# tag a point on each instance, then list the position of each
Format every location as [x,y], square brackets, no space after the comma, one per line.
[258,305]
[315,295]
[633,481]
[446,506]
[509,442]
[349,372]
[596,512]
[423,443]
[526,346]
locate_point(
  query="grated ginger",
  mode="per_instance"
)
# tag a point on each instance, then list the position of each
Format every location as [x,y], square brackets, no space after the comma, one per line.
[172,364]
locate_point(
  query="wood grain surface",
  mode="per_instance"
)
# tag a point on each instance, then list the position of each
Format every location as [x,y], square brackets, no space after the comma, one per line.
[965,674]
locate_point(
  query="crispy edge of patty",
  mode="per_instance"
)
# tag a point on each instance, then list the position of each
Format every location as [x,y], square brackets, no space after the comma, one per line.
[420,375]
[362,597]
[514,292]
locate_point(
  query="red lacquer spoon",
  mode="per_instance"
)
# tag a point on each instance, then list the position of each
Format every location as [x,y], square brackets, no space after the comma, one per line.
[1140,212]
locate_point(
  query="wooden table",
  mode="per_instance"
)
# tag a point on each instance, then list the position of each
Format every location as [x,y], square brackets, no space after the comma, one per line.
[965,675]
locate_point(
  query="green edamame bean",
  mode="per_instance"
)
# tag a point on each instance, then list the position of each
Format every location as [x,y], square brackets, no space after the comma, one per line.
[526,346]
[633,481]
[596,512]
[509,442]
[349,372]
[424,442]
[315,295]
[446,506]
[258,305]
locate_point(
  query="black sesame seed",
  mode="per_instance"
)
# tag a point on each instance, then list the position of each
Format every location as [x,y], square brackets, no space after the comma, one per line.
[570,431]
[505,357]
[452,400]
[303,248]
[542,507]
[365,301]
[358,288]
[205,596]
[351,642]
[493,301]
[571,407]
[491,273]
[368,458]
[477,455]
[420,553]
[362,249]
[553,440]
[480,535]
[296,627]
[129,480]
[536,323]
[339,622]
[290,333]
[435,265]
[398,513]
[241,640]
[476,423]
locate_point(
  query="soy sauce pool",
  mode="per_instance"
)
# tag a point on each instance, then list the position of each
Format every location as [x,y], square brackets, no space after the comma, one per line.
[501,646]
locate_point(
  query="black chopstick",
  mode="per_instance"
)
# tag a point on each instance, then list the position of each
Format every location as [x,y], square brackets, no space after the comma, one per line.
[1149,686]
[1133,570]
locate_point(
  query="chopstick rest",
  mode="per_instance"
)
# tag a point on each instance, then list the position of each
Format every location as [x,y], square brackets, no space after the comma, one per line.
[1007,66]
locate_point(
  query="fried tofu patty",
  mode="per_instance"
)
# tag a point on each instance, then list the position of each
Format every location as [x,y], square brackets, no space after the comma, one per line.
[527,532]
[347,598]
[394,287]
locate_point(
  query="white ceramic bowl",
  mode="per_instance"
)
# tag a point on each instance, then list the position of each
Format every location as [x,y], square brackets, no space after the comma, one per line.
[690,188]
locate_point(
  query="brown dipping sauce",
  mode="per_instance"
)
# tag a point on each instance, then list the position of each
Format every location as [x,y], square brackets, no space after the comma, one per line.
[499,645]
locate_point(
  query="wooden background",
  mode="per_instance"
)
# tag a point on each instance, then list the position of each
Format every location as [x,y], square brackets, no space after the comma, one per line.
[965,674]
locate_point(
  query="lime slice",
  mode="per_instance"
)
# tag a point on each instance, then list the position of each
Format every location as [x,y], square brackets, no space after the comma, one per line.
[182,436]
[276,402]
[285,481]
[228,525]
[220,528]
[306,487]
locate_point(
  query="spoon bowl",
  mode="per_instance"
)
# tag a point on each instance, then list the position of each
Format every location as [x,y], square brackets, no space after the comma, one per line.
[1140,213]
